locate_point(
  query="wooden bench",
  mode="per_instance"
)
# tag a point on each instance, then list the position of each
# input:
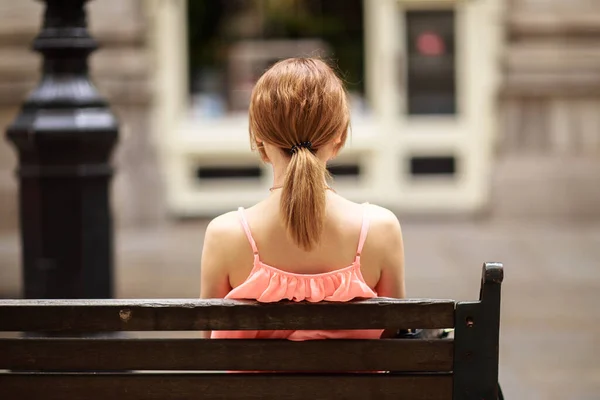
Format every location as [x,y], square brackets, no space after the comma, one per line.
[75,354]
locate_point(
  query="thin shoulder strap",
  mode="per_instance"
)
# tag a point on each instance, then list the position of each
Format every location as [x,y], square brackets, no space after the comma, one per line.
[363,230]
[246,227]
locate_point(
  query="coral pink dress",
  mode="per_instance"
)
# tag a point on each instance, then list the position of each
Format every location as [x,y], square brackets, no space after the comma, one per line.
[269,284]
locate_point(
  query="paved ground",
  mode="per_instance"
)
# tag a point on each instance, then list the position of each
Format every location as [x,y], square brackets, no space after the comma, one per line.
[550,339]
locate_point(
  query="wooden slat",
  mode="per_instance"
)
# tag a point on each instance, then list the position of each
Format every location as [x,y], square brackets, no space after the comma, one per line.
[224,386]
[218,355]
[182,315]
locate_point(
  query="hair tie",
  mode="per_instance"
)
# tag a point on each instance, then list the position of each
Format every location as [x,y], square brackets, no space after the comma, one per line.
[294,149]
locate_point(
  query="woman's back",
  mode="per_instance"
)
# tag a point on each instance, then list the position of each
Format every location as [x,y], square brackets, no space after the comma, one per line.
[303,242]
[337,249]
[267,266]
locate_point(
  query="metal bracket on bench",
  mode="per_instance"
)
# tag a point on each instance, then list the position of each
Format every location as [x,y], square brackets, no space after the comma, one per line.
[477,326]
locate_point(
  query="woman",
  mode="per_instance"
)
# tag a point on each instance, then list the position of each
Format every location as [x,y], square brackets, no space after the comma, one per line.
[303,242]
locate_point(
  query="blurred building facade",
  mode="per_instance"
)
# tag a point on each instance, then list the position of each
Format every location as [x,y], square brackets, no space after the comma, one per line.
[178,76]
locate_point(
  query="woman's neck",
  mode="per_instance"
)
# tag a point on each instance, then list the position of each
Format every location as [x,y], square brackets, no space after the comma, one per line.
[279,175]
[279,170]
[279,181]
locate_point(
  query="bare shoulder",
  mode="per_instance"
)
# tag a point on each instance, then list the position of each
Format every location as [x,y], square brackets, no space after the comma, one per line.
[224,231]
[387,235]
[224,224]
[218,255]
[385,225]
[382,217]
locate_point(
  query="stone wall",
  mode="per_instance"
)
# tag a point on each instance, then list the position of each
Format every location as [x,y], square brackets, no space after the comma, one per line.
[551,95]
[122,70]
[549,161]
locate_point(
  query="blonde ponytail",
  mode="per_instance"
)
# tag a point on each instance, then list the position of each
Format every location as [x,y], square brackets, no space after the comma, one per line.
[300,106]
[302,204]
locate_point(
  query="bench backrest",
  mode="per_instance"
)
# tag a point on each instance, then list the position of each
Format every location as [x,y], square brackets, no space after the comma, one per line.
[70,349]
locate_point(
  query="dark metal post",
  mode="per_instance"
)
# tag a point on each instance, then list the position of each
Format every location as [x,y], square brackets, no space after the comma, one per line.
[64,136]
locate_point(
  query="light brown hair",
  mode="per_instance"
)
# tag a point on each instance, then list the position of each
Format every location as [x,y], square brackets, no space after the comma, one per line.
[300,100]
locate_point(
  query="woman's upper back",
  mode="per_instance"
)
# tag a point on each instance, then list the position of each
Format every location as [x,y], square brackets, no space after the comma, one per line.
[265,265]
[345,224]
[267,283]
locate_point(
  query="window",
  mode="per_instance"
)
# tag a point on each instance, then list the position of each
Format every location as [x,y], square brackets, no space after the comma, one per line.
[232,42]
[432,166]
[431,62]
